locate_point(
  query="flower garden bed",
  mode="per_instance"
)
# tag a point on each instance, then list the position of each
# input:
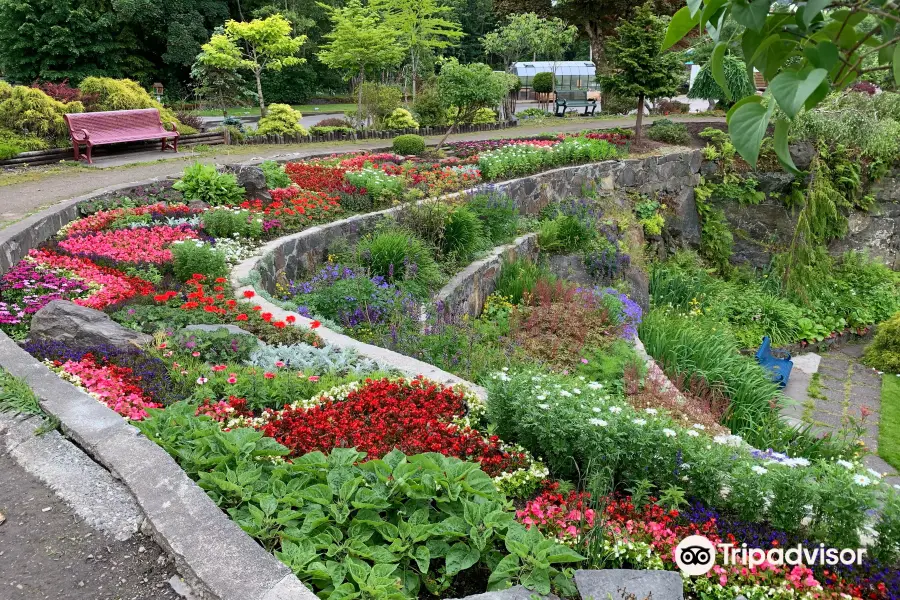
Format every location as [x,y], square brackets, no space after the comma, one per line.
[445,493]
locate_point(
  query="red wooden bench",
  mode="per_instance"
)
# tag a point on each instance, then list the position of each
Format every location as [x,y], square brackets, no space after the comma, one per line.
[117,126]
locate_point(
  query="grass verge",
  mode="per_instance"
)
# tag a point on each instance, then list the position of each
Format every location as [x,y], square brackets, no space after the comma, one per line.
[16,397]
[889,429]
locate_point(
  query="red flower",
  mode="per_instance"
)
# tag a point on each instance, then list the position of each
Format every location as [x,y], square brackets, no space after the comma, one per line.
[249,293]
[315,324]
[241,317]
[268,375]
[221,280]
[266,316]
[290,318]
[279,324]
[197,277]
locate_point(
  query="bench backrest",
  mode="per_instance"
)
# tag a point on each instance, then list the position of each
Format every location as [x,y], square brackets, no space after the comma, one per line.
[111,123]
[572,95]
[765,350]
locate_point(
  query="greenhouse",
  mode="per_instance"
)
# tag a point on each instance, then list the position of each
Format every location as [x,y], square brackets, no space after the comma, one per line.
[570,75]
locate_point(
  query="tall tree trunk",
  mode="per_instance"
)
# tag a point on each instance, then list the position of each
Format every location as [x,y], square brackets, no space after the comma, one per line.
[262,101]
[362,77]
[449,131]
[640,118]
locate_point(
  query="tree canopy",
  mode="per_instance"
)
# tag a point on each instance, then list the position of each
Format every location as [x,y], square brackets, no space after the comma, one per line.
[640,68]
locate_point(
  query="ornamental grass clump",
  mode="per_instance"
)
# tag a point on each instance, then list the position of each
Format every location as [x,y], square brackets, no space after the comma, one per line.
[401,258]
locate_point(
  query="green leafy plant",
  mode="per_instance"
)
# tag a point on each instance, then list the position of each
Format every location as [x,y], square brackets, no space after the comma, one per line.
[195,257]
[409,144]
[387,528]
[275,176]
[664,130]
[463,234]
[205,184]
[884,352]
[281,119]
[229,222]
[498,214]
[400,257]
[400,119]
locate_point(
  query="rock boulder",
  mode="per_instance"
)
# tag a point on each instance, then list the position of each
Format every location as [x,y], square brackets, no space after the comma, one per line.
[252,179]
[623,583]
[68,322]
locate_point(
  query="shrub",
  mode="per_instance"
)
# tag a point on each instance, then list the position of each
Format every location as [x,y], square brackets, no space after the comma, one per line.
[276,178]
[616,105]
[884,352]
[228,222]
[194,257]
[125,94]
[335,122]
[65,93]
[400,257]
[534,113]
[281,119]
[542,83]
[564,234]
[206,184]
[671,107]
[664,130]
[706,88]
[308,359]
[429,107]
[30,112]
[484,116]
[864,87]
[319,130]
[9,150]
[400,119]
[409,144]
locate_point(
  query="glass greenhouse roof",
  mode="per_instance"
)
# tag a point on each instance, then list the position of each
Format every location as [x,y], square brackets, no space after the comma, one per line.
[584,68]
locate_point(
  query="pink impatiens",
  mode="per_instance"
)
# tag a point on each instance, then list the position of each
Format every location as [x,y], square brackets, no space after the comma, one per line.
[112,385]
[149,244]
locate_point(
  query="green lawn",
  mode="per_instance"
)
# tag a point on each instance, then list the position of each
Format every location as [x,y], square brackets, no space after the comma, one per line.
[889,430]
[306,109]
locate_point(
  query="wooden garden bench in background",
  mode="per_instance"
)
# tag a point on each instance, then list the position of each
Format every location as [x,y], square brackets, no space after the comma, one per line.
[574,99]
[118,126]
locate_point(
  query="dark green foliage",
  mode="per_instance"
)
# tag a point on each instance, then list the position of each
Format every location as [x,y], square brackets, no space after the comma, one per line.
[463,234]
[428,504]
[498,215]
[195,257]
[227,223]
[407,145]
[542,83]
[640,69]
[275,175]
[614,104]
[429,108]
[669,132]
[565,233]
[739,84]
[400,257]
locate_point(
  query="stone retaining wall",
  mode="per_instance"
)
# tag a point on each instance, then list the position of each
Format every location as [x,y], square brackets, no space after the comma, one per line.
[467,291]
[673,174]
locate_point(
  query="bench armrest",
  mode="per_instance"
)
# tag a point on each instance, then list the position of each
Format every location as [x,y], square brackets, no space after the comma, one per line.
[85,136]
[174,128]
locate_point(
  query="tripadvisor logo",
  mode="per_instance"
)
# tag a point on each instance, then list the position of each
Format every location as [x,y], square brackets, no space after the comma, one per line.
[696,555]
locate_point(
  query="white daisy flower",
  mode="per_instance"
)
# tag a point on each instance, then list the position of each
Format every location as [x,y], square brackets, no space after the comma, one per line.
[595,385]
[544,406]
[615,409]
[599,422]
[758,469]
[597,409]
[699,426]
[669,432]
[650,411]
[692,433]
[640,422]
[844,463]
[861,480]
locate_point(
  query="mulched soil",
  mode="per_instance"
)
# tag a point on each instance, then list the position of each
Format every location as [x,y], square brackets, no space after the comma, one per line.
[47,552]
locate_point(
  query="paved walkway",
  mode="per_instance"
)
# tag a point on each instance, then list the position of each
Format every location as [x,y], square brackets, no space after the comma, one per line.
[48,550]
[834,391]
[40,187]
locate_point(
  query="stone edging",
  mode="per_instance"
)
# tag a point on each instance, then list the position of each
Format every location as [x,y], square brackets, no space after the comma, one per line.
[214,555]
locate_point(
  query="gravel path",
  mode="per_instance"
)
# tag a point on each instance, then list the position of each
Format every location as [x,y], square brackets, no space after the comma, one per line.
[57,183]
[47,552]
